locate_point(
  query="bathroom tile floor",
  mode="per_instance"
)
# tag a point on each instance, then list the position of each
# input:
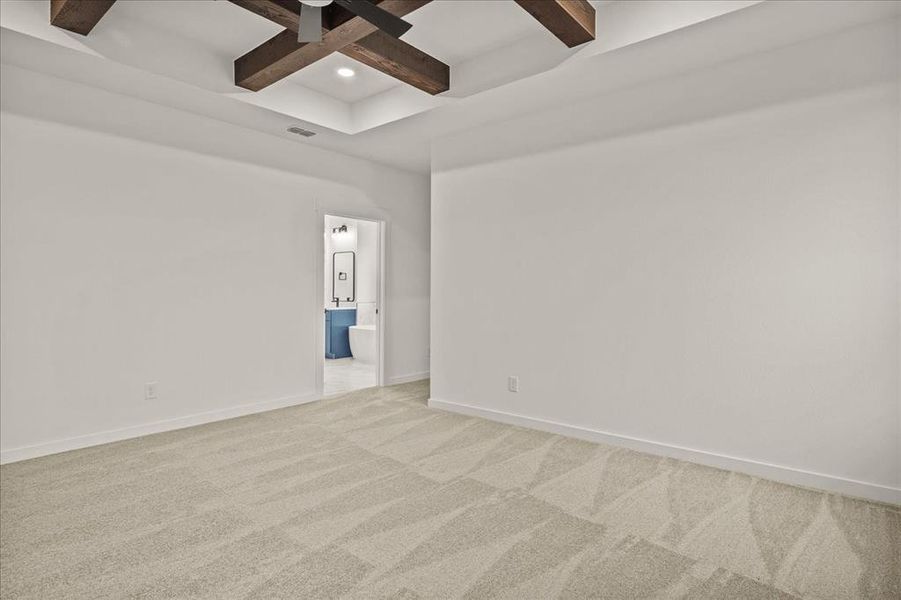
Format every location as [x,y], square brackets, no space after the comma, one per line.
[347,374]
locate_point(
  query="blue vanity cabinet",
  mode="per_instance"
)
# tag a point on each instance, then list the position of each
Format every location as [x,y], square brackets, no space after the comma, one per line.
[337,340]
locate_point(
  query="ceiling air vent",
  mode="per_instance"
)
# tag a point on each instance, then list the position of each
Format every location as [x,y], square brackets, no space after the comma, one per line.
[301,131]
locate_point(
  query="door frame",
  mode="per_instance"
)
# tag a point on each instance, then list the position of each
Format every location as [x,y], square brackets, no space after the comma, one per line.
[380,303]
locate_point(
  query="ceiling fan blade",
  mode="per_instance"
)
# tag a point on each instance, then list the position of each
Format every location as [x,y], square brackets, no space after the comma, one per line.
[381,18]
[310,28]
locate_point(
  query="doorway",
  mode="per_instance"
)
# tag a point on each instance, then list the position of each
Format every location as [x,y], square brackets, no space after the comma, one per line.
[352,325]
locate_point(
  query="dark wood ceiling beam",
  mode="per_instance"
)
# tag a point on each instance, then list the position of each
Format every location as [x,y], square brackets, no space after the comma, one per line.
[402,61]
[354,37]
[269,62]
[78,16]
[572,21]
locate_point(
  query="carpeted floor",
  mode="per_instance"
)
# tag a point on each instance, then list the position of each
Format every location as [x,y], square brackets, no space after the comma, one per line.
[374,495]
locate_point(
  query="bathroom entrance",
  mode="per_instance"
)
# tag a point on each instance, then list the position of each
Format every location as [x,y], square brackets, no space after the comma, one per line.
[352,292]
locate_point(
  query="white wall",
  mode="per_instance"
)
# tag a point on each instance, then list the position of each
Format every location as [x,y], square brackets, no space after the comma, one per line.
[367,261]
[726,248]
[345,241]
[124,262]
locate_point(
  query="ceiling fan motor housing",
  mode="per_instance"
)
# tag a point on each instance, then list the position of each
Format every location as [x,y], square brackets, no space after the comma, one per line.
[310,26]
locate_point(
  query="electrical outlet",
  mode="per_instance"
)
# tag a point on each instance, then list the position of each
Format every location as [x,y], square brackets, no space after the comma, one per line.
[150,390]
[513,383]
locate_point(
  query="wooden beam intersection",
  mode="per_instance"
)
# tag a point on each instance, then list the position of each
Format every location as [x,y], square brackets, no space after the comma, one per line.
[343,32]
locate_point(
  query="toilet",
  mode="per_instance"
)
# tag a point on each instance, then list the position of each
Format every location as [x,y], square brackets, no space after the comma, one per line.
[363,343]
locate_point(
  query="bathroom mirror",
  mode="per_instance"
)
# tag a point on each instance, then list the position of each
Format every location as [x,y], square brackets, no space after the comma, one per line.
[343,281]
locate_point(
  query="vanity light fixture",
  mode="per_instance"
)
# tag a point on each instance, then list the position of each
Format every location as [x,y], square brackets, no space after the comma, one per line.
[342,229]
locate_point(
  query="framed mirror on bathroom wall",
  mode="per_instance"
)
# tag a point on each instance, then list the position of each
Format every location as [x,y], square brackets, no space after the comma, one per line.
[344,287]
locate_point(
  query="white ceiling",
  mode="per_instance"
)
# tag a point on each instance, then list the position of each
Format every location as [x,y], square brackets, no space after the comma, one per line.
[323,77]
[455,31]
[140,49]
[218,24]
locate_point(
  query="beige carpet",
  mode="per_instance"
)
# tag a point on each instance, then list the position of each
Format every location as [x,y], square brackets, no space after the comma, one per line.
[374,495]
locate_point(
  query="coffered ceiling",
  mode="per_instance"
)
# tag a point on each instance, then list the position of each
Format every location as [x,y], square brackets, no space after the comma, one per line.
[197,42]
[503,62]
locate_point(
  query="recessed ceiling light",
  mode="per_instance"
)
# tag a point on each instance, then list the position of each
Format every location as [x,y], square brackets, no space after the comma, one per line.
[346,72]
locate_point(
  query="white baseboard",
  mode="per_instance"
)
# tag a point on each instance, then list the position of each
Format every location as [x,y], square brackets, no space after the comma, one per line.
[820,481]
[408,378]
[104,437]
